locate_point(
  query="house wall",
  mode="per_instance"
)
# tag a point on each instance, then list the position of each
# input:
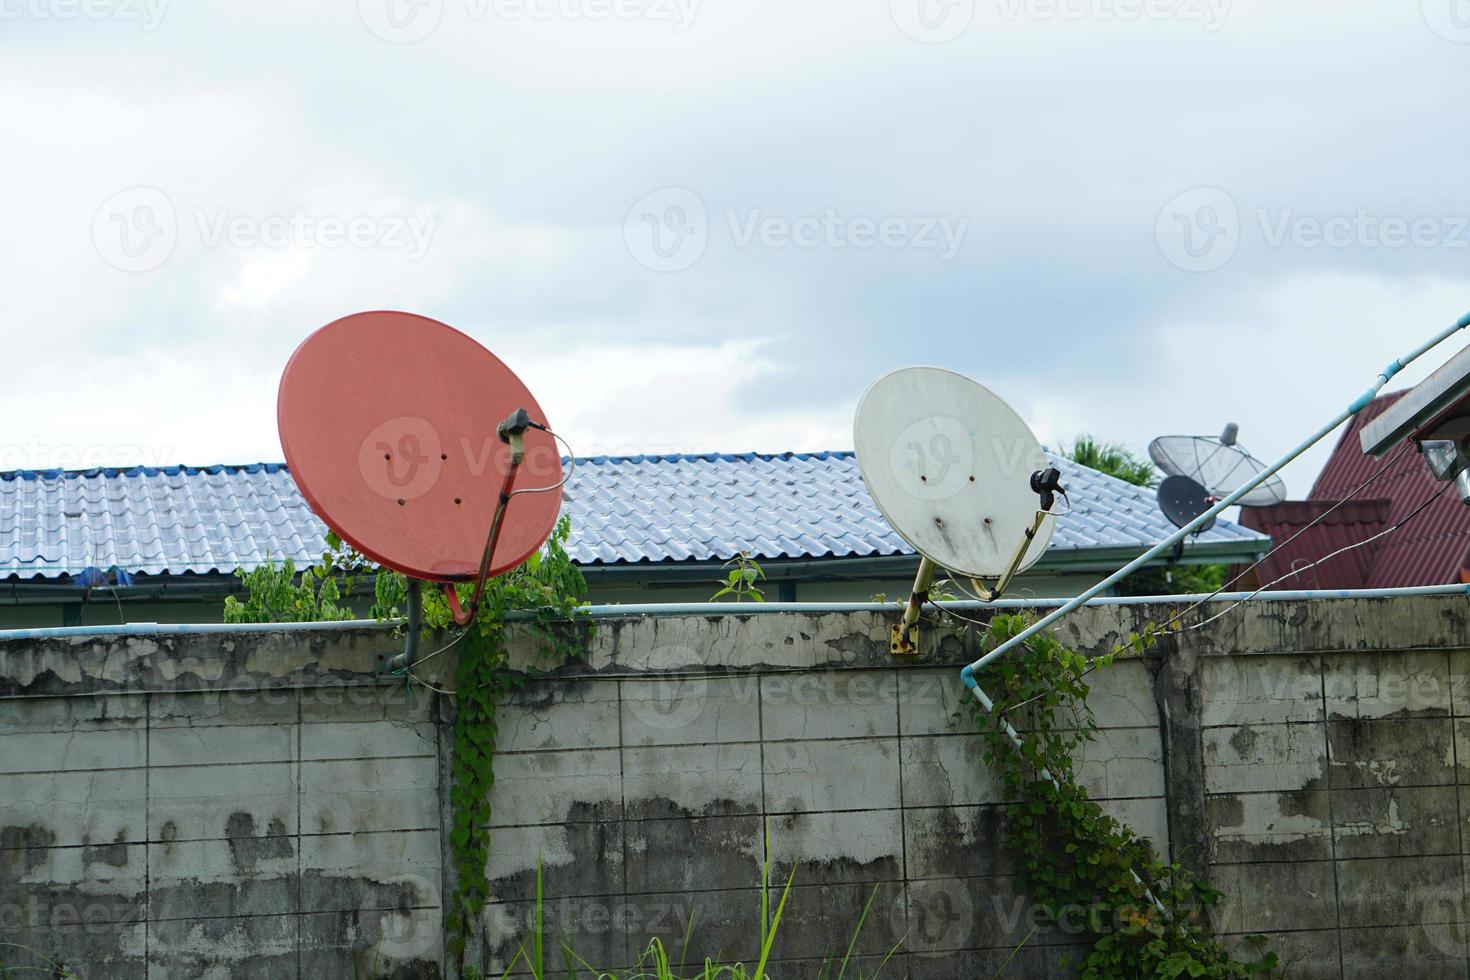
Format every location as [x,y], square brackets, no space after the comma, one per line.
[104,611]
[257,804]
[825,590]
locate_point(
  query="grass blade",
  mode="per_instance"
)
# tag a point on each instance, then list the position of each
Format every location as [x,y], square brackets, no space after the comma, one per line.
[1014,953]
[538,941]
[520,955]
[688,936]
[868,907]
[769,939]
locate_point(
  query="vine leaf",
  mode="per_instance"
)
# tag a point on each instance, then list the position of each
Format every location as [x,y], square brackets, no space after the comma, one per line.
[1071,854]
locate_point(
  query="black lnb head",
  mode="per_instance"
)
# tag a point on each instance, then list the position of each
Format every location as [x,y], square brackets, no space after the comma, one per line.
[1047,484]
[515,425]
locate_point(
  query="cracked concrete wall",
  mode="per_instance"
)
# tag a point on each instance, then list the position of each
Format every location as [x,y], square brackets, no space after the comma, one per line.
[259,805]
[216,806]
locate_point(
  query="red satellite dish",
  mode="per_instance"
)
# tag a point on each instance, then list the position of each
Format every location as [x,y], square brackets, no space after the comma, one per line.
[392,428]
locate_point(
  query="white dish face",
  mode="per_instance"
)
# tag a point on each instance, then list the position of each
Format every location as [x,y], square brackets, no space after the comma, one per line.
[1221,469]
[949,464]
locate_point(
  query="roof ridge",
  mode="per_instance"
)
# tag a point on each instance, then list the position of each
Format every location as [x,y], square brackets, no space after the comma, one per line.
[268,467]
[711,457]
[109,472]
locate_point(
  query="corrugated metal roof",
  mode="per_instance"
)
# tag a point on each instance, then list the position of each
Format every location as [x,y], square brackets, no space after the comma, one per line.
[640,509]
[152,521]
[1431,550]
[1353,522]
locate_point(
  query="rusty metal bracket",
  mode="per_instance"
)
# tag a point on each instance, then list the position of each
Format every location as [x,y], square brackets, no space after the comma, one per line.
[903,640]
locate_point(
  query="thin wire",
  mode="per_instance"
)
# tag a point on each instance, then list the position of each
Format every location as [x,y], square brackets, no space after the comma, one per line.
[1237,604]
[1008,577]
[517,456]
[122,618]
[444,649]
[566,474]
[1322,561]
[966,589]
[952,613]
[1382,471]
[1380,474]
[437,690]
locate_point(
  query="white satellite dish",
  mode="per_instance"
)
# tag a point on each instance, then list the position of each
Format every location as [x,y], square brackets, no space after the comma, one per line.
[1219,464]
[950,465]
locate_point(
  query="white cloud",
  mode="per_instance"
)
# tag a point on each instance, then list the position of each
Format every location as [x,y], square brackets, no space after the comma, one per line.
[526,142]
[612,399]
[1281,367]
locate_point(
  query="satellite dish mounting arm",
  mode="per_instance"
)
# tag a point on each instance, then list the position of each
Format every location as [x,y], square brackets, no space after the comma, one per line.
[512,432]
[905,639]
[1047,484]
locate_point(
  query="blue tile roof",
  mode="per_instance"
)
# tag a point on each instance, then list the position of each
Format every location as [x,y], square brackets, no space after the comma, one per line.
[178,520]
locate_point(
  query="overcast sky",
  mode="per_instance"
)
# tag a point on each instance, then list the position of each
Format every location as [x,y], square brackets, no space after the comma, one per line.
[702,225]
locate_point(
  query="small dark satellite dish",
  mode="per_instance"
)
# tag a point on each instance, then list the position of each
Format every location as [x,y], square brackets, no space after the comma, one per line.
[1183,500]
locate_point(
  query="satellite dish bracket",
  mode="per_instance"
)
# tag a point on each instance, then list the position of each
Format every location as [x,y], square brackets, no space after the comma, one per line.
[904,639]
[405,661]
[1025,547]
[511,432]
[1047,484]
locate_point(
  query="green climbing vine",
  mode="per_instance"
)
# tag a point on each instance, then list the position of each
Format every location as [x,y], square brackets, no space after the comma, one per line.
[1078,863]
[548,587]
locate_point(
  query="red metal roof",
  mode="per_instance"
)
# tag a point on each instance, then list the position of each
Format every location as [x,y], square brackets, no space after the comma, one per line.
[1353,522]
[1431,550]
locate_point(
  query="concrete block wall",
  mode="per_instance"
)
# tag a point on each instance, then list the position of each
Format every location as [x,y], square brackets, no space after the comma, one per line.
[259,805]
[1334,808]
[228,822]
[654,805]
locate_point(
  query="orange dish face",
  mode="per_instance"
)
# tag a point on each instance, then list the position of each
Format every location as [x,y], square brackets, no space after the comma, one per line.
[389,425]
